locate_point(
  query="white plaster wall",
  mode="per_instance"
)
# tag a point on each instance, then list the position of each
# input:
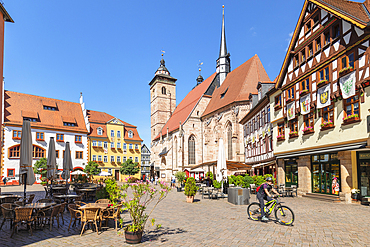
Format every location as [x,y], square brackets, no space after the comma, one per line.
[68,137]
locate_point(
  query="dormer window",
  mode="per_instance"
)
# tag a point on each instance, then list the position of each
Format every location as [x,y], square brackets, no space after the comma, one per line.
[69,124]
[30,119]
[49,105]
[69,121]
[50,108]
[100,131]
[130,134]
[223,94]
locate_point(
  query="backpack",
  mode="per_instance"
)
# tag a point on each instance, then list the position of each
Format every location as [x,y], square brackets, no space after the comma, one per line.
[258,188]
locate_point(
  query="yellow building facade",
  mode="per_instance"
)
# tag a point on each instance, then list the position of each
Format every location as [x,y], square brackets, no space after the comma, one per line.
[111,143]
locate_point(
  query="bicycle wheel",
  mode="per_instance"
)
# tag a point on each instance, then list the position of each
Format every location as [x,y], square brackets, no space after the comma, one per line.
[254,211]
[284,215]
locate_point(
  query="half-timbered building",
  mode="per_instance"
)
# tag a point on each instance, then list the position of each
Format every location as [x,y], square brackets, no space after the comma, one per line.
[321,101]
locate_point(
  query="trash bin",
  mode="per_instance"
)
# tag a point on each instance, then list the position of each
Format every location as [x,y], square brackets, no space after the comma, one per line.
[238,196]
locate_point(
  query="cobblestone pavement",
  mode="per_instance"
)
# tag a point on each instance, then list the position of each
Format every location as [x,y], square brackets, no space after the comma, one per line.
[217,223]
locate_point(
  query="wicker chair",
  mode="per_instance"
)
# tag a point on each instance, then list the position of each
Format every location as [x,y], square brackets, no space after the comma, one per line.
[20,203]
[79,203]
[7,210]
[23,215]
[75,214]
[103,201]
[29,199]
[10,199]
[50,214]
[114,214]
[45,200]
[90,215]
[61,210]
[47,192]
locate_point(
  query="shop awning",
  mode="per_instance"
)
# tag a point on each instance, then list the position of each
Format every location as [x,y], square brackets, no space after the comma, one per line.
[231,165]
[196,170]
[264,164]
[323,150]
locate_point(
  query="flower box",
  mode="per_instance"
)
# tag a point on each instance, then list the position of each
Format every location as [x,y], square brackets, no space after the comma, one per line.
[351,119]
[322,83]
[303,92]
[277,107]
[345,71]
[327,125]
[289,100]
[280,138]
[308,130]
[293,134]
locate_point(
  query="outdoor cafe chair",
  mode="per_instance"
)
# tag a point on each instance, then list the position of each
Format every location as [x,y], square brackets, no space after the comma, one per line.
[47,192]
[75,214]
[114,214]
[22,215]
[294,190]
[49,215]
[282,190]
[79,203]
[90,216]
[7,210]
[61,210]
[103,201]
[20,203]
[29,199]
[10,199]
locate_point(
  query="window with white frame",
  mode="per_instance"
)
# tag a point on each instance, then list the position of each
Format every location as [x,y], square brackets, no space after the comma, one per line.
[110,170]
[112,145]
[99,143]
[136,159]
[94,143]
[130,158]
[105,144]
[118,134]
[99,158]
[136,146]
[112,133]
[105,158]
[124,146]
[119,159]
[111,158]
[94,157]
[130,134]
[100,131]
[118,145]
[124,158]
[130,146]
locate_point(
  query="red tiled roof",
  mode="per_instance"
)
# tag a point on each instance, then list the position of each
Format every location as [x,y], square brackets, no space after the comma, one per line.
[186,106]
[102,117]
[352,9]
[19,105]
[94,130]
[135,137]
[238,84]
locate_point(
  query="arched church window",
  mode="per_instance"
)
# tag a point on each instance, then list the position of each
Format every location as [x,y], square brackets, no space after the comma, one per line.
[229,142]
[163,90]
[191,150]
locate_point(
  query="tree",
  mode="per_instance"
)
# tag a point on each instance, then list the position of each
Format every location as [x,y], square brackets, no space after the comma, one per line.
[41,167]
[92,168]
[129,168]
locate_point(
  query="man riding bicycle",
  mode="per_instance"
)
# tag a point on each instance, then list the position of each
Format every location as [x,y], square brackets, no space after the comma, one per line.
[263,193]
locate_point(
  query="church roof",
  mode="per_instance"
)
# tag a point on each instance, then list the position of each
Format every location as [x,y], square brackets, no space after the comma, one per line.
[238,84]
[186,106]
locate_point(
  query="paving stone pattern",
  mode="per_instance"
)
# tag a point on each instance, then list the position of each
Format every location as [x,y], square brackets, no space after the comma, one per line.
[216,223]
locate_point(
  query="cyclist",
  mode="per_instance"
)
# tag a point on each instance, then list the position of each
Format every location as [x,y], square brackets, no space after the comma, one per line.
[263,193]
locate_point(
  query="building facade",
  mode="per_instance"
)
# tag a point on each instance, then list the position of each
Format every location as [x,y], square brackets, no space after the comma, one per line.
[319,109]
[59,119]
[258,133]
[145,163]
[112,142]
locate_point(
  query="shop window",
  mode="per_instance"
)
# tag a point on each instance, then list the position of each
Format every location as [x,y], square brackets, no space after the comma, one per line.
[17,134]
[352,106]
[347,61]
[326,174]
[11,172]
[40,136]
[324,74]
[291,173]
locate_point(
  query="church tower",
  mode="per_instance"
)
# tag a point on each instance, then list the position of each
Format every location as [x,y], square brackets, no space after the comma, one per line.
[223,62]
[162,98]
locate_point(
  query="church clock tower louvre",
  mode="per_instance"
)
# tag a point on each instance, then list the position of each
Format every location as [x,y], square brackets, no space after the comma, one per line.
[162,98]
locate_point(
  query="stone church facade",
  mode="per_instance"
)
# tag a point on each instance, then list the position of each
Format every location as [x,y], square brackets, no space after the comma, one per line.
[186,138]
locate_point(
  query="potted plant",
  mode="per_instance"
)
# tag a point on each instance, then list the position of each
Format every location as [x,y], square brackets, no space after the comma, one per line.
[190,189]
[327,125]
[307,130]
[280,137]
[141,195]
[351,118]
[180,176]
[293,134]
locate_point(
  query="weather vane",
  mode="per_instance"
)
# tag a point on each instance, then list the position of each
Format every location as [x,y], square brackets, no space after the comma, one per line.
[200,65]
[163,52]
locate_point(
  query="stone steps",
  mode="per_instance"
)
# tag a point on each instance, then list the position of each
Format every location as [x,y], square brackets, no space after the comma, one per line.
[322,197]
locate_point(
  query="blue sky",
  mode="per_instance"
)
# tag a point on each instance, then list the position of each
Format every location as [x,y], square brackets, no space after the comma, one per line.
[110,50]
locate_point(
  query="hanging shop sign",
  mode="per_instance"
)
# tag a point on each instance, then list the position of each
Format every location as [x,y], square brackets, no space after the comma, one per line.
[290,110]
[347,85]
[305,104]
[323,96]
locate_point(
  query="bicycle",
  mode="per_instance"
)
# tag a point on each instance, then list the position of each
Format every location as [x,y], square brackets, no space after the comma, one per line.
[283,214]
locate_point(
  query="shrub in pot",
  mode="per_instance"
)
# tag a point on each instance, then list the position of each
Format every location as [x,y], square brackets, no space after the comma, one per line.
[190,189]
[180,176]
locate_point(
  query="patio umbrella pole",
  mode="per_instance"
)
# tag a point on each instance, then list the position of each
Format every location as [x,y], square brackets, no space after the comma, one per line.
[25,185]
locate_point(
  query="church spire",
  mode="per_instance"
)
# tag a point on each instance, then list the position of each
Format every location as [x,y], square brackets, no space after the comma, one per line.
[162,68]
[223,62]
[223,49]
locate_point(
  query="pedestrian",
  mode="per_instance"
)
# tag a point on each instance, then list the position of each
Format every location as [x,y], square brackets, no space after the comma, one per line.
[173,180]
[151,179]
[4,180]
[156,180]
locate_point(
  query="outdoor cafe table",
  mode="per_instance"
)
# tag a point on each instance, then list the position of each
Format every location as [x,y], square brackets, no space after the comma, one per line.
[102,206]
[38,206]
[86,191]
[2,197]
[67,198]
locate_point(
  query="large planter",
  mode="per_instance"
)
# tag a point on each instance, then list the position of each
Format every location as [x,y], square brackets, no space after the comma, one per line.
[190,199]
[133,237]
[238,195]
